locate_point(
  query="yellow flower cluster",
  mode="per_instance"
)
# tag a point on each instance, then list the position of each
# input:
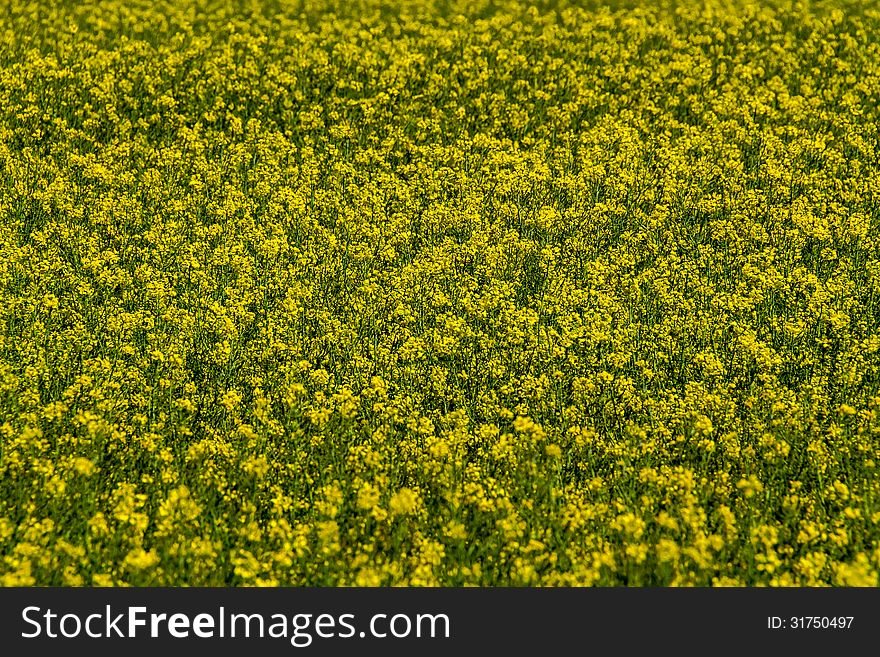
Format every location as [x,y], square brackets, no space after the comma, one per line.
[439,292]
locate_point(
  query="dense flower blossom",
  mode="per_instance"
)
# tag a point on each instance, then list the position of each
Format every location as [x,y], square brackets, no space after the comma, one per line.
[439,292]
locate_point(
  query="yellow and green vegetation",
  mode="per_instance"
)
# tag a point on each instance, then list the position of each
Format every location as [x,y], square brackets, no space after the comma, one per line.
[439,292]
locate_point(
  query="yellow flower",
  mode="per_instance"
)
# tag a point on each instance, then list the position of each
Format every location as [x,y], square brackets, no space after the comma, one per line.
[403,502]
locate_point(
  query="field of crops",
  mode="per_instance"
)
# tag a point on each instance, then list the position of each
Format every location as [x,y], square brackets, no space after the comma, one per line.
[439,292]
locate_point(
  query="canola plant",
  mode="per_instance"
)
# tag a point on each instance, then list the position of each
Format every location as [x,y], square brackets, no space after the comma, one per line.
[439,292]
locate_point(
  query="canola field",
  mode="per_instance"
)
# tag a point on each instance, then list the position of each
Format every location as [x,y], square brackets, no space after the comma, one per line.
[439,292]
